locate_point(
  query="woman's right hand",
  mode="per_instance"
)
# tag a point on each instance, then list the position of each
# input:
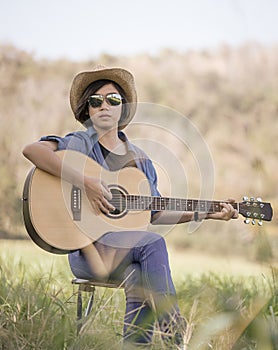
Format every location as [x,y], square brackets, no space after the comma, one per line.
[98,194]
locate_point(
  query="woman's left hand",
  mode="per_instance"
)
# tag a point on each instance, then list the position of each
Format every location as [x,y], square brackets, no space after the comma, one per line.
[228,211]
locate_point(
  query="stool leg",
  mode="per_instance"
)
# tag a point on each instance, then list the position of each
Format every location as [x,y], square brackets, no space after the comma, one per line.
[90,304]
[79,310]
[80,306]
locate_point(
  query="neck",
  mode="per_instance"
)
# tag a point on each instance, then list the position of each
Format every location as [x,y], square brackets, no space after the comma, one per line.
[111,141]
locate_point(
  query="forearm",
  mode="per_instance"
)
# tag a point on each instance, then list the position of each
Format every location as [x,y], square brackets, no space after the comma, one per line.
[44,158]
[171,217]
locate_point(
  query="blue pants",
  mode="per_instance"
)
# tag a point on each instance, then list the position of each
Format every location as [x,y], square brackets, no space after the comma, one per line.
[141,259]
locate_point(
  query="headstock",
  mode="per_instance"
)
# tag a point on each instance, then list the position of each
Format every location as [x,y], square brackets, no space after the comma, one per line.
[254,209]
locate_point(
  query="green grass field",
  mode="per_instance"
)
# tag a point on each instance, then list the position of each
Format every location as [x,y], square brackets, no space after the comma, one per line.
[229,303]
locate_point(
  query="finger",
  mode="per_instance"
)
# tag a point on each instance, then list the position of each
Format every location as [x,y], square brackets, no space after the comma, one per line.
[225,207]
[233,212]
[106,191]
[229,211]
[235,216]
[226,211]
[95,207]
[231,200]
[107,205]
[101,206]
[226,214]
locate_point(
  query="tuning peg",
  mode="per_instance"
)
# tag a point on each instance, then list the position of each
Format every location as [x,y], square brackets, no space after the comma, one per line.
[260,223]
[245,198]
[259,199]
[246,221]
[252,199]
[253,222]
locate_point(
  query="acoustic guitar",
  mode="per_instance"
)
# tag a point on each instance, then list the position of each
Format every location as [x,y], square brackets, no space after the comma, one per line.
[59,217]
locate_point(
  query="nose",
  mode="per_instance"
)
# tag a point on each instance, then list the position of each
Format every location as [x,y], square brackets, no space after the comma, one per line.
[104,105]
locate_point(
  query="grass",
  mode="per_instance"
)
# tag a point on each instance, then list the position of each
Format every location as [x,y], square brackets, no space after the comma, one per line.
[225,309]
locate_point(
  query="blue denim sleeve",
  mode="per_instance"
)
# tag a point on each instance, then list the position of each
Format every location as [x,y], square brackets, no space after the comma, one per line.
[145,164]
[152,177]
[74,141]
[61,141]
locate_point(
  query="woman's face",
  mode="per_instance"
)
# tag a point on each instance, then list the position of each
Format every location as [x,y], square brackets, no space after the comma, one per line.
[105,117]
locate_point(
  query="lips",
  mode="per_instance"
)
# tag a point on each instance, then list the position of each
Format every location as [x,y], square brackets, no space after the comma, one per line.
[104,115]
[105,118]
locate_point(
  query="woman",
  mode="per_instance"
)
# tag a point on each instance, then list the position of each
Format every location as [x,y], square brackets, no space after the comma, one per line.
[104,100]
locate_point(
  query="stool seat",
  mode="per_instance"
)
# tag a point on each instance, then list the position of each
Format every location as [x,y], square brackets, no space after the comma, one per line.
[85,282]
[85,285]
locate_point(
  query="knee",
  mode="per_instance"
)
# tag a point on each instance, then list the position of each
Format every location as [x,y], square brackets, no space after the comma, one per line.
[158,241]
[154,247]
[155,239]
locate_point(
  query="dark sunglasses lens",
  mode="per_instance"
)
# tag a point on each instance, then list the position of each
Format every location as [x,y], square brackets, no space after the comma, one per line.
[114,99]
[95,101]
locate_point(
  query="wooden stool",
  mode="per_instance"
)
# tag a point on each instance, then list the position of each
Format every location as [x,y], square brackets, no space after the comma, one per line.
[88,286]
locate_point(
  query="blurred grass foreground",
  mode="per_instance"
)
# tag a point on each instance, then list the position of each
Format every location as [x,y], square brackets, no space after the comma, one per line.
[224,310]
[225,273]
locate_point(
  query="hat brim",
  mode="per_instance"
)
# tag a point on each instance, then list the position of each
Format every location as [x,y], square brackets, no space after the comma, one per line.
[118,75]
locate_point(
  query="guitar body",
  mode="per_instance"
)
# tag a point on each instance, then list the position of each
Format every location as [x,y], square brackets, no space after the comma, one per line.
[59,218]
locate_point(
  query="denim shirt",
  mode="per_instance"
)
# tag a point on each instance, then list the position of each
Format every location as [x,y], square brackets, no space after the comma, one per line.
[86,142]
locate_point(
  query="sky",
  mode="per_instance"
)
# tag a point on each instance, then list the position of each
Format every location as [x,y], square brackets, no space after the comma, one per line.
[84,29]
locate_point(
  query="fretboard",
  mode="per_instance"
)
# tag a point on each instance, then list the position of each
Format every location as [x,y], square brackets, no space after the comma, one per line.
[135,202]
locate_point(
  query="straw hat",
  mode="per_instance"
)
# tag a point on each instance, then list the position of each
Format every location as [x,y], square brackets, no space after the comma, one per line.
[119,75]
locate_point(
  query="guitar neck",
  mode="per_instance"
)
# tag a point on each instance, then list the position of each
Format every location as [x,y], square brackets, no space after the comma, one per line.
[135,202]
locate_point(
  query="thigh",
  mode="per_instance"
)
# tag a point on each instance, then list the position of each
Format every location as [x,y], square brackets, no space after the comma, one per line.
[116,250]
[119,249]
[128,239]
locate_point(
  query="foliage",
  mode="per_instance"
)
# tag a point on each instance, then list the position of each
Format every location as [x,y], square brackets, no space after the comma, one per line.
[38,310]
[229,312]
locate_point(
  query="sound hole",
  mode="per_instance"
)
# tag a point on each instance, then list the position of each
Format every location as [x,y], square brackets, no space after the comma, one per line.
[118,201]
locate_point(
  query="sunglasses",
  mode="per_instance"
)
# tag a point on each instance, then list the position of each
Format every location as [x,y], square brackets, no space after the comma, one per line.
[112,99]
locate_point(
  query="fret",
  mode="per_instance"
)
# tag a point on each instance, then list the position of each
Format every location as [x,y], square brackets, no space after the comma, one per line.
[189,205]
[154,204]
[209,207]
[216,207]
[171,204]
[202,206]
[195,205]
[184,204]
[143,203]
